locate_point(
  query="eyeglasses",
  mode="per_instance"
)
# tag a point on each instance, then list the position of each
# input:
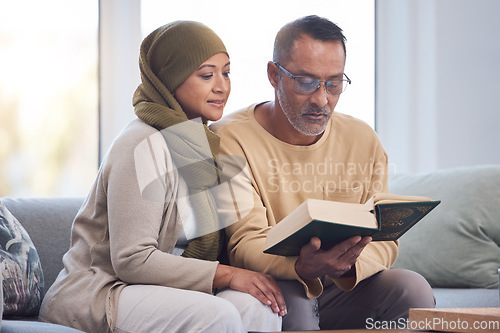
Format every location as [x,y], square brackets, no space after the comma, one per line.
[309,85]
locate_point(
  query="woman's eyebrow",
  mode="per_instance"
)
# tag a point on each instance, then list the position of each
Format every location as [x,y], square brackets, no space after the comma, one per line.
[212,66]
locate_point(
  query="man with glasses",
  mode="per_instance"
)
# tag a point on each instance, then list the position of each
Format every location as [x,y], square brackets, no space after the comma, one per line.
[297,147]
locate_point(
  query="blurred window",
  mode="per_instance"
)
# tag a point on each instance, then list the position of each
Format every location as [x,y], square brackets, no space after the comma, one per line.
[48,97]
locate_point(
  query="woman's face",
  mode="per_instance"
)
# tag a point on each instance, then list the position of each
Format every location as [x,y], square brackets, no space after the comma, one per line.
[205,92]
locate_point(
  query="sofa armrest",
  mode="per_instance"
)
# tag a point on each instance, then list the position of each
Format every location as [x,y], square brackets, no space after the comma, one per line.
[48,222]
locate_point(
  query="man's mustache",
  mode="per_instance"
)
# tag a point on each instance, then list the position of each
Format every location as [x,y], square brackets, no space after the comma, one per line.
[315,109]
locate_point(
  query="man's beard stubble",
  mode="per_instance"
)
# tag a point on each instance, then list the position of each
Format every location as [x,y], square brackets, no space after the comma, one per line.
[297,120]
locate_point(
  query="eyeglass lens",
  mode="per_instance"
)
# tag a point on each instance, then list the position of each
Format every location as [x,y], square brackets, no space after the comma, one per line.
[310,85]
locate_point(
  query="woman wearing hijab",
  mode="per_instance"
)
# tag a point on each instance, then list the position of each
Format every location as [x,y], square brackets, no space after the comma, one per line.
[144,247]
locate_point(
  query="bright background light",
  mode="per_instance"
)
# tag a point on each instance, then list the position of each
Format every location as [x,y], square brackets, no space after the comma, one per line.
[248,29]
[49,83]
[48,97]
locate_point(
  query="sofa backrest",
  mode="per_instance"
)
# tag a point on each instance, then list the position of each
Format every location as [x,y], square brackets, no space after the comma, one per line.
[458,244]
[48,222]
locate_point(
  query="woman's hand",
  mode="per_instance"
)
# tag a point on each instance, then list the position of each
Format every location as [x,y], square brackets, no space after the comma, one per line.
[261,286]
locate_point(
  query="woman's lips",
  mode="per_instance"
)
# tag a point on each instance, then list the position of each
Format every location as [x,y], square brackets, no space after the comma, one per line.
[217,103]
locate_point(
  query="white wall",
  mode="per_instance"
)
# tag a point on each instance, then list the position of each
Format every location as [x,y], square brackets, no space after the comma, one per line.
[248,31]
[438,76]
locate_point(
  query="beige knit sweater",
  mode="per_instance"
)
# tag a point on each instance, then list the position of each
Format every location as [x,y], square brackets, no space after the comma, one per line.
[124,234]
[348,163]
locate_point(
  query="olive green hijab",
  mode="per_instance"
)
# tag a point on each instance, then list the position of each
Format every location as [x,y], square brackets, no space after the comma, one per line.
[168,56]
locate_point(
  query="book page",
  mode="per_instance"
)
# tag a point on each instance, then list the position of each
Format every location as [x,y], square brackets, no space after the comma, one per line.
[393,198]
[289,224]
[343,213]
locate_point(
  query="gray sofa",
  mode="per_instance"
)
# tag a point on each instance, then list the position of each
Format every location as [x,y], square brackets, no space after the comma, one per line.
[456,247]
[48,222]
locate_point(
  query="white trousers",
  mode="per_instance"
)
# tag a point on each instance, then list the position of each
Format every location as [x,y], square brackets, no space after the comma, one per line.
[151,308]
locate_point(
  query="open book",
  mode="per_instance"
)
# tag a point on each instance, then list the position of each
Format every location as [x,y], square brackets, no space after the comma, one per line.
[385,217]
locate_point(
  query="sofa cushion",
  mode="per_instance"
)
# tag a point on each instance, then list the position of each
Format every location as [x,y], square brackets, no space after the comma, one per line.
[22,276]
[466,298]
[458,244]
[1,303]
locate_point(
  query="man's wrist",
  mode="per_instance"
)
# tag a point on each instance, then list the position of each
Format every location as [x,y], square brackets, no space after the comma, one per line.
[300,270]
[349,273]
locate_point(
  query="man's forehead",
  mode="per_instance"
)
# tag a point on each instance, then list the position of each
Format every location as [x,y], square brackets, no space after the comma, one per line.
[308,56]
[306,46]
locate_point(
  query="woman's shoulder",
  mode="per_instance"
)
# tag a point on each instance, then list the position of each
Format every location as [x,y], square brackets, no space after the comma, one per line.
[135,132]
[137,152]
[134,140]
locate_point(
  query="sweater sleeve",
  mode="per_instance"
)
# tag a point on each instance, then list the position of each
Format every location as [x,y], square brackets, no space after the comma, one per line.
[140,187]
